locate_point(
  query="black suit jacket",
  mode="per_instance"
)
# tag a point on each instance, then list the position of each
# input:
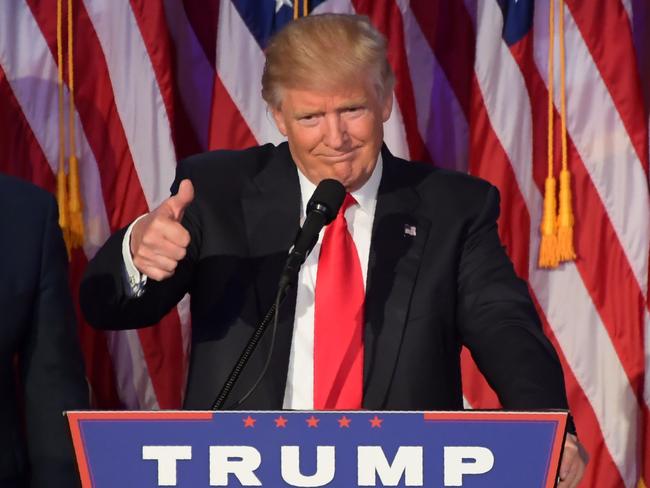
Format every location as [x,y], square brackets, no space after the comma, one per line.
[449,284]
[38,335]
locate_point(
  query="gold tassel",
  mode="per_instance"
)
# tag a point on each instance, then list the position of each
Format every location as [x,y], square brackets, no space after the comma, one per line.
[296,9]
[62,200]
[548,249]
[548,253]
[76,205]
[565,218]
[75,208]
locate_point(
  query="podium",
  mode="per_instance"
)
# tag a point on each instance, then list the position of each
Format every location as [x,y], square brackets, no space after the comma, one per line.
[471,449]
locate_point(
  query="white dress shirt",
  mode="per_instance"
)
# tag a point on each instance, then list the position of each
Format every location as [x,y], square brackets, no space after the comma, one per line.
[299,391]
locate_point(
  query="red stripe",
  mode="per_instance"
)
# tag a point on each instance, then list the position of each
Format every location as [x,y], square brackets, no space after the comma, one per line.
[601,470]
[76,418]
[601,261]
[446,23]
[162,346]
[645,446]
[21,154]
[608,35]
[228,129]
[204,18]
[558,417]
[150,17]
[387,17]
[476,389]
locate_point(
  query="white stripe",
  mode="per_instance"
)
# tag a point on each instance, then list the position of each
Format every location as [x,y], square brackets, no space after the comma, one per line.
[561,293]
[240,62]
[335,6]
[194,72]
[466,404]
[441,121]
[131,375]
[137,96]
[395,132]
[627,5]
[595,126]
[32,75]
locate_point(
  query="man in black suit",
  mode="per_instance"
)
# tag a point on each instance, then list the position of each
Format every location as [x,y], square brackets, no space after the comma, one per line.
[427,251]
[39,349]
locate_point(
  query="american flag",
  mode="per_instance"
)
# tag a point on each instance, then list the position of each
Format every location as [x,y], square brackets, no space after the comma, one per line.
[155,81]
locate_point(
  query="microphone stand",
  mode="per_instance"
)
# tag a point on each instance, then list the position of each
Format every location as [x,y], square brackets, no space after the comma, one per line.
[219,402]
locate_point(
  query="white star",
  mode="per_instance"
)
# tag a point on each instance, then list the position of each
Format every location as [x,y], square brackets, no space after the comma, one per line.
[281,3]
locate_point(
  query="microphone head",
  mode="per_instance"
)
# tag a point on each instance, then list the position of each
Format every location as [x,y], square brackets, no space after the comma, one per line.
[327,199]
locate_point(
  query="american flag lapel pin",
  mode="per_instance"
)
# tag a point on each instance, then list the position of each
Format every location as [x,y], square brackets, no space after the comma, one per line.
[409,230]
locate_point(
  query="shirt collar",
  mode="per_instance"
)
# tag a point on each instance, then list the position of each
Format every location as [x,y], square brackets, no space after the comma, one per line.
[366,196]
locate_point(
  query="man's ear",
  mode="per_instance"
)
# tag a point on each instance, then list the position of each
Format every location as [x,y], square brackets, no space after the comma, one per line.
[278,116]
[387,107]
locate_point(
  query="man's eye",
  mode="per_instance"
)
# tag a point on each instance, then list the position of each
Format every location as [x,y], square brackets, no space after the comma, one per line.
[309,120]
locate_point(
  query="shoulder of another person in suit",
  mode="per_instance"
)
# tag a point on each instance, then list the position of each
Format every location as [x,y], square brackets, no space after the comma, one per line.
[23,199]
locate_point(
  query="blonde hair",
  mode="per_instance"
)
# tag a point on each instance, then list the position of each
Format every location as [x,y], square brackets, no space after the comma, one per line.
[325,52]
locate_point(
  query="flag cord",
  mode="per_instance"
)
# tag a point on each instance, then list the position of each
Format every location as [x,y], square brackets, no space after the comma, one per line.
[75,207]
[557,227]
[565,215]
[61,180]
[296,8]
[68,186]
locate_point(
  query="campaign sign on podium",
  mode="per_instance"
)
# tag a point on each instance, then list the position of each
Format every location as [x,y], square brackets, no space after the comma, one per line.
[472,449]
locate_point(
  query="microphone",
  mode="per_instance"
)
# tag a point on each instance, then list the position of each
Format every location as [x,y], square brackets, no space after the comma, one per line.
[321,210]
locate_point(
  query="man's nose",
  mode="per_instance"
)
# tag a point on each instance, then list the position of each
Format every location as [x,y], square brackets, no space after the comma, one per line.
[335,131]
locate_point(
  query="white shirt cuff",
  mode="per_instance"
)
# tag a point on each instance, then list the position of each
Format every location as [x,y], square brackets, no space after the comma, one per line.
[134,280]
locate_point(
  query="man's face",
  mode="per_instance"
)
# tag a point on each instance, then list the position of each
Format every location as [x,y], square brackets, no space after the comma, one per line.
[334,134]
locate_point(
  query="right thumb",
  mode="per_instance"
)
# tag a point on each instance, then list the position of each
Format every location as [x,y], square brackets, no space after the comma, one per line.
[182,199]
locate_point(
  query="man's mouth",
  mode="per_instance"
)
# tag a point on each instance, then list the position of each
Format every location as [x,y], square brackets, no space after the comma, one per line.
[340,157]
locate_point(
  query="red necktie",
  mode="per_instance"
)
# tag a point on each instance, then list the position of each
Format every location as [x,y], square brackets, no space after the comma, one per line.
[338,319]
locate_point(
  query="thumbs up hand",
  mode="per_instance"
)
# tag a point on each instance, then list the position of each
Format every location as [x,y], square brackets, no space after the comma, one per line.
[158,240]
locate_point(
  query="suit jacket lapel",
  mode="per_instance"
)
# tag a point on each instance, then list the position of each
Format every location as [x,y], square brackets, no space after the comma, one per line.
[271,206]
[398,238]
